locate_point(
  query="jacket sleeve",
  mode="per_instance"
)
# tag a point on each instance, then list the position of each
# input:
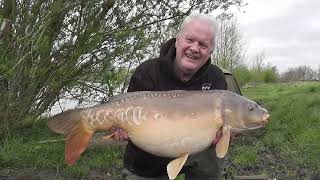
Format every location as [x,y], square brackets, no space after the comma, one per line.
[141,80]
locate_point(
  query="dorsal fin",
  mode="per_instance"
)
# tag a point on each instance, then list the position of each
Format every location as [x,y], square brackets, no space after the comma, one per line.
[126,95]
[146,93]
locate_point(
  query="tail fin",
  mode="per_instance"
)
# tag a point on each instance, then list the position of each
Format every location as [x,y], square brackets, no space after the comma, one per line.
[76,143]
[64,122]
[70,123]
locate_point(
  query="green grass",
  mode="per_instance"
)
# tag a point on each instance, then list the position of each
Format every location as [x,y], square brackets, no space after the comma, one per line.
[292,136]
[32,149]
[291,140]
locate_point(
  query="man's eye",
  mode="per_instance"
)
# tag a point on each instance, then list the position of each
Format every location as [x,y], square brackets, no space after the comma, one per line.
[203,45]
[188,39]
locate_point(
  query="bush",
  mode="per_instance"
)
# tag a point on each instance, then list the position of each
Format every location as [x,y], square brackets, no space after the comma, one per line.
[270,76]
[243,75]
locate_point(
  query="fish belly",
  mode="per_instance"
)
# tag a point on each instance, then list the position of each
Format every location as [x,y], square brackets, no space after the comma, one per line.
[170,126]
[173,139]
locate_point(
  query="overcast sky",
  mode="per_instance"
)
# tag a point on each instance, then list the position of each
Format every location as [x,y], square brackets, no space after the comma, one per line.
[288,31]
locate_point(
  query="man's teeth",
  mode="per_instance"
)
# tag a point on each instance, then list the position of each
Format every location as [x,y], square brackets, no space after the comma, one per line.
[191,57]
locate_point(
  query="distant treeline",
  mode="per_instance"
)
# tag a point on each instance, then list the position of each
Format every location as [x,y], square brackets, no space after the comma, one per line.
[269,74]
[301,73]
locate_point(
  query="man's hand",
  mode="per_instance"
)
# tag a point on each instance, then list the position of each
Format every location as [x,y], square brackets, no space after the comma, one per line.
[119,134]
[219,135]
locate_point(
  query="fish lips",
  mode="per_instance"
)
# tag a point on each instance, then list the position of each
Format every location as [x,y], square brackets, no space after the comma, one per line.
[253,127]
[261,124]
[265,119]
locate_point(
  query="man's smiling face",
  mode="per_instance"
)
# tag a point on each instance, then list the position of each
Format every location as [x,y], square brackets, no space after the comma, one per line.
[194,46]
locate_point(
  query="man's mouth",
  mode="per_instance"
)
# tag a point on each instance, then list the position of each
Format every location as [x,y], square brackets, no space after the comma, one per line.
[190,56]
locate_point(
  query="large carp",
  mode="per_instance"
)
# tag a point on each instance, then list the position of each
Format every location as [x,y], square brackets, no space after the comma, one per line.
[171,124]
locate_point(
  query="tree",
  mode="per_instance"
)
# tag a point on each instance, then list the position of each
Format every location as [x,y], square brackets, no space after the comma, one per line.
[243,75]
[270,74]
[262,72]
[258,61]
[54,46]
[300,73]
[230,51]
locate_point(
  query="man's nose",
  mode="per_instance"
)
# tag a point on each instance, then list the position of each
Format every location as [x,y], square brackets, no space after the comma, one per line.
[195,47]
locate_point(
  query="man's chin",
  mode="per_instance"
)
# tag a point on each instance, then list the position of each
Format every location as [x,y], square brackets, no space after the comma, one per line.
[189,70]
[190,67]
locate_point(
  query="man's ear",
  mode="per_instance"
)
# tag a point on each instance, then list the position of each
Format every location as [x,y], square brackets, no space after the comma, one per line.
[212,50]
[175,44]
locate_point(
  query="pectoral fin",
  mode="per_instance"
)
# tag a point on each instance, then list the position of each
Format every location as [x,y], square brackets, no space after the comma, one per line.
[223,144]
[174,167]
[106,138]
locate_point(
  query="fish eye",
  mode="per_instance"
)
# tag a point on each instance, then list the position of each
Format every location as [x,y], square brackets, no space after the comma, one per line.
[251,108]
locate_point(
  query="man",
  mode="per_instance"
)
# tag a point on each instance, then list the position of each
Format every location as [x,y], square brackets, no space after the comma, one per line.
[184,64]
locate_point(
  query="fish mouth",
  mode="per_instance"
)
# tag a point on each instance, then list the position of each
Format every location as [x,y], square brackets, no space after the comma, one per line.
[262,123]
[238,130]
[265,119]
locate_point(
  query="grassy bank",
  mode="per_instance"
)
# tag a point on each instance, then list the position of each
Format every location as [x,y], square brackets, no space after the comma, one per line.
[41,152]
[288,148]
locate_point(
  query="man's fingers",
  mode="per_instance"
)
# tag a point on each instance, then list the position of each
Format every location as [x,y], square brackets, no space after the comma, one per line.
[116,135]
[120,134]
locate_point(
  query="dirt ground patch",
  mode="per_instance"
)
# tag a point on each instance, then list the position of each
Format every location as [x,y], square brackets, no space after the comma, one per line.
[272,165]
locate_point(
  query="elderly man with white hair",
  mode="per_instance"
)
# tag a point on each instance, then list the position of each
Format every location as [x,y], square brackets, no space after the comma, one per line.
[184,64]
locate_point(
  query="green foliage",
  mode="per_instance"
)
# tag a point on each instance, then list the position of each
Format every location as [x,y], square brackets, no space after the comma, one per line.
[266,75]
[24,150]
[55,46]
[243,75]
[270,76]
[246,75]
[32,149]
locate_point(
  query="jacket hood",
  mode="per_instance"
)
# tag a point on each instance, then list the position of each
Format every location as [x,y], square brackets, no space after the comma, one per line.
[167,57]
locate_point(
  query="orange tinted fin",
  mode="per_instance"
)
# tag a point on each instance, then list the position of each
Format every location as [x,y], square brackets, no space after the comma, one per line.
[76,143]
[223,144]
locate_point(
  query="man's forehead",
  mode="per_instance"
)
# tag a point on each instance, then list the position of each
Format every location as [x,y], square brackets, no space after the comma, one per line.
[206,38]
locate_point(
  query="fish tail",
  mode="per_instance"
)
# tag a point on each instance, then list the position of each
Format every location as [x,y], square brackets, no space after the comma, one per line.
[64,122]
[71,124]
[76,143]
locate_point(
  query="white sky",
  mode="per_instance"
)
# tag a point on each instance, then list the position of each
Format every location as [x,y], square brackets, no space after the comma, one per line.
[288,31]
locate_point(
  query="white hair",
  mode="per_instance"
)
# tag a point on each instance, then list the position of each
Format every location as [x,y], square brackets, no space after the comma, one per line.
[204,18]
